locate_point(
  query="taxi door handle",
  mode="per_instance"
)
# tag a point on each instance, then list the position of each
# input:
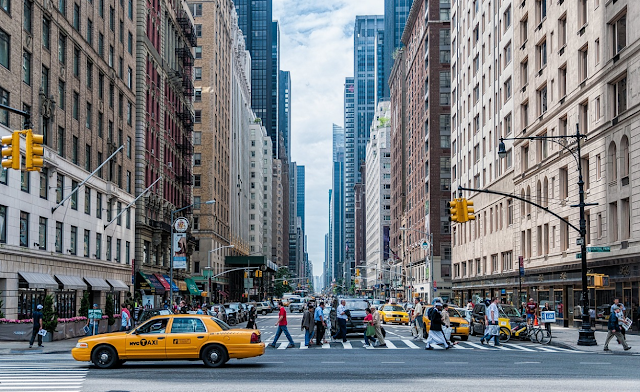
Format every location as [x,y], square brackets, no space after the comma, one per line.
[200,337]
[160,337]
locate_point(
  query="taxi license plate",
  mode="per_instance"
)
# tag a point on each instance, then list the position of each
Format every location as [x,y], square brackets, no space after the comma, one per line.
[398,319]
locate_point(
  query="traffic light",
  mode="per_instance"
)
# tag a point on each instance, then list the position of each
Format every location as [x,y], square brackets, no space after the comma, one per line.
[11,151]
[285,283]
[357,272]
[35,151]
[454,211]
[467,210]
[258,274]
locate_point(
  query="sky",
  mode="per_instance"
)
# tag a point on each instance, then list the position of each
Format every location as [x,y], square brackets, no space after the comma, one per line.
[316,46]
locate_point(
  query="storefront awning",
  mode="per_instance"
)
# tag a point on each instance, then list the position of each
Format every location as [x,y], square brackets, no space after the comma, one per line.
[191,285]
[144,283]
[163,282]
[156,284]
[182,285]
[173,284]
[39,281]
[118,285]
[98,284]
[71,282]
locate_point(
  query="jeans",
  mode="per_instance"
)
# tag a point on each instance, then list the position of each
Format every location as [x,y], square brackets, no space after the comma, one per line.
[488,334]
[319,332]
[35,333]
[342,332]
[308,336]
[281,329]
[420,326]
[367,338]
[91,328]
[124,328]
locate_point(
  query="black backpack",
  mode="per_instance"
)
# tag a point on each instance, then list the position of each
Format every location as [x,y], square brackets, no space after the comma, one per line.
[430,312]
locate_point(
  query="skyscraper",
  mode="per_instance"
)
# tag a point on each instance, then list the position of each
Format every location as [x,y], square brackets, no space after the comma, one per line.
[336,206]
[284,111]
[275,87]
[300,195]
[360,96]
[254,19]
[395,18]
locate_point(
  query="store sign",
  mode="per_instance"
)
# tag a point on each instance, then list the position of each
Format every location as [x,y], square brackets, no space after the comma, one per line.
[179,250]
[181,225]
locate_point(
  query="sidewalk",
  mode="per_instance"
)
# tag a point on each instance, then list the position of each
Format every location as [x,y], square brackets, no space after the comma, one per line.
[22,347]
[568,338]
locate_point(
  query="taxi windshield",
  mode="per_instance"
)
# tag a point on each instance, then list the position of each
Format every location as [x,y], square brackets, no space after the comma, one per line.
[510,311]
[357,305]
[393,308]
[224,326]
[453,313]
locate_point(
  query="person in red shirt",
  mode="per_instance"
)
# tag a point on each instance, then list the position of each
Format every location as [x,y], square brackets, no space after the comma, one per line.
[531,311]
[282,327]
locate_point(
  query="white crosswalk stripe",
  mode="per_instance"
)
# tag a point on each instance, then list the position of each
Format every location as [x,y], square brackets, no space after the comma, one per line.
[347,345]
[410,344]
[390,344]
[44,377]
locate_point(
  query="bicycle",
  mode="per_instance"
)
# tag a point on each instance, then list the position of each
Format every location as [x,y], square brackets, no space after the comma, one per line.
[534,333]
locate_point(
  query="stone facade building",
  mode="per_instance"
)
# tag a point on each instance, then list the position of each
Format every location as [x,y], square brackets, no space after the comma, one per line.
[72,67]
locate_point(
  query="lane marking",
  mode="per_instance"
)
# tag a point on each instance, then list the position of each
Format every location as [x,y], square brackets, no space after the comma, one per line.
[410,343]
[595,363]
[283,345]
[518,347]
[456,363]
[390,344]
[347,345]
[475,345]
[326,345]
[391,362]
[303,347]
[332,362]
[270,362]
[460,346]
[524,363]
[547,349]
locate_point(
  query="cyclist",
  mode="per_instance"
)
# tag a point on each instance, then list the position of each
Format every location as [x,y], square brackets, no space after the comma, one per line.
[531,311]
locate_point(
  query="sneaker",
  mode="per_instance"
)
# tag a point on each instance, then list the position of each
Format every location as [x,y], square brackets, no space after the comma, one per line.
[365,345]
[272,345]
[30,346]
[291,345]
[482,341]
[381,345]
[627,348]
[428,348]
[606,349]
[41,346]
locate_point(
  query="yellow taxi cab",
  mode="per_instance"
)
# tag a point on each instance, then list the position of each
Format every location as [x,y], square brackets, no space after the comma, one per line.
[171,337]
[391,313]
[459,324]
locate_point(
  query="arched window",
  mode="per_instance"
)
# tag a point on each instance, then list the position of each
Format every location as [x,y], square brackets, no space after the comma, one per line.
[528,197]
[522,204]
[624,157]
[612,164]
[539,192]
[545,192]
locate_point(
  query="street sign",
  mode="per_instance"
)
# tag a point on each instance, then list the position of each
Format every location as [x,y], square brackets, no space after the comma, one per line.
[181,225]
[579,241]
[95,314]
[599,249]
[425,245]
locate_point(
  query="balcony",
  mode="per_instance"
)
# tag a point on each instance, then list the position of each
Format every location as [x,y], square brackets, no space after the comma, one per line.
[186,56]
[187,86]
[187,28]
[185,180]
[186,117]
[186,148]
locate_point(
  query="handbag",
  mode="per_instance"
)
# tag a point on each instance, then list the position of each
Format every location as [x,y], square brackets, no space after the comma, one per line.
[371,330]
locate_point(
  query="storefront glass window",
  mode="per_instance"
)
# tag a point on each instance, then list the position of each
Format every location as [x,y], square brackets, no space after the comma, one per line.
[66,303]
[28,299]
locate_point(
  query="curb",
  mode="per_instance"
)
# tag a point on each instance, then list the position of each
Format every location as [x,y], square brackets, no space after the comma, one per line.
[33,352]
[563,345]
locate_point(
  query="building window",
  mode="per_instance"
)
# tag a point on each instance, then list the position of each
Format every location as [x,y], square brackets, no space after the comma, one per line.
[109,240]
[98,253]
[583,10]
[197,159]
[624,157]
[196,180]
[26,68]
[197,95]
[73,241]
[197,73]
[6,6]
[44,183]
[618,29]
[196,9]
[62,48]
[583,63]
[25,178]
[76,103]
[541,10]
[507,90]
[24,229]
[98,205]
[76,16]
[87,201]
[197,138]
[198,52]
[59,234]
[199,30]
[613,222]
[619,96]
[76,62]
[542,100]
[541,54]
[42,233]
[74,150]
[563,176]
[74,195]
[59,188]
[562,81]
[5,48]
[562,31]
[89,116]
[26,18]
[86,243]
[507,54]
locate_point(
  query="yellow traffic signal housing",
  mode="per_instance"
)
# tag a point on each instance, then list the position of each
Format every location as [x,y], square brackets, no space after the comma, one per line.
[467,210]
[357,271]
[454,211]
[35,151]
[597,280]
[11,151]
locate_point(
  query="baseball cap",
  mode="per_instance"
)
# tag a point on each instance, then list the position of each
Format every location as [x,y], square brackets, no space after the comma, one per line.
[39,307]
[95,305]
[614,307]
[438,304]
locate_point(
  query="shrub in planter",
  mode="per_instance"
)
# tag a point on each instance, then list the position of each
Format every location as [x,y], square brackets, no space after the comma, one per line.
[84,305]
[49,316]
[108,310]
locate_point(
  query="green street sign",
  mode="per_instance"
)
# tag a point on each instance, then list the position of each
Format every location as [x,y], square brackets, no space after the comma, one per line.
[95,314]
[598,249]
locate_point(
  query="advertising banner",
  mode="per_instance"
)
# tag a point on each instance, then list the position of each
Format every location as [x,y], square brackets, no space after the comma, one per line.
[179,250]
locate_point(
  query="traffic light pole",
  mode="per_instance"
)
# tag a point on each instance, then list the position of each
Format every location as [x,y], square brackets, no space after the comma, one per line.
[26,115]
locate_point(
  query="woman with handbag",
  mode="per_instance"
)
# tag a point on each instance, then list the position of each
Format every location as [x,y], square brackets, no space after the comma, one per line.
[370,330]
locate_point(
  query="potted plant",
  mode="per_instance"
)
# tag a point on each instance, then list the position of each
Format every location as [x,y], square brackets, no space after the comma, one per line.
[108,309]
[49,318]
[84,305]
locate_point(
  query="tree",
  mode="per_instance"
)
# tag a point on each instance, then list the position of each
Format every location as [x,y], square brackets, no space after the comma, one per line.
[84,305]
[282,284]
[109,310]
[49,315]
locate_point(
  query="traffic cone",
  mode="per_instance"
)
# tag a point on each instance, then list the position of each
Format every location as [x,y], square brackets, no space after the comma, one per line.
[535,321]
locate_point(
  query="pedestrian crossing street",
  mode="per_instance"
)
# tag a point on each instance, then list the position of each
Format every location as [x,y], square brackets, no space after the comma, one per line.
[41,377]
[411,344]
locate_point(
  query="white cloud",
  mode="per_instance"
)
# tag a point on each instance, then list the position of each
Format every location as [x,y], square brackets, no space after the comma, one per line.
[316,45]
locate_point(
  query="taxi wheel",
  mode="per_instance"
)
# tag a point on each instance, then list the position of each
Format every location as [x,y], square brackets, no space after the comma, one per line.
[214,356]
[264,312]
[104,357]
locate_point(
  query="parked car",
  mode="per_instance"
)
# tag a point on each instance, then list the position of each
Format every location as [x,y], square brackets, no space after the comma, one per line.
[296,305]
[263,307]
[218,311]
[238,309]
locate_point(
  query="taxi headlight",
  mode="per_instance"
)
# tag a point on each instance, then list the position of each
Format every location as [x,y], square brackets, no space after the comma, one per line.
[82,345]
[503,323]
[464,325]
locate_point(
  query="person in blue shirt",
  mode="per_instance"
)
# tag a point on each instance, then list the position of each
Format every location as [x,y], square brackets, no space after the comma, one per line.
[614,328]
[318,317]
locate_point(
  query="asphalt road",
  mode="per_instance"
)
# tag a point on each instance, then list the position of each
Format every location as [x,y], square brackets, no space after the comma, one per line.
[339,368]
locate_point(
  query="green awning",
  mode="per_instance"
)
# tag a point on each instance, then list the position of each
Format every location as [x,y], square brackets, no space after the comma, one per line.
[192,287]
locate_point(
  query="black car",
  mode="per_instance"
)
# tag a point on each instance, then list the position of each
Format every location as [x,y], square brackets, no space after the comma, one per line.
[356,310]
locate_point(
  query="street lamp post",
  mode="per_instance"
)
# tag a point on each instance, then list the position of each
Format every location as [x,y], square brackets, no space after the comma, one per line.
[172,250]
[430,246]
[209,267]
[586,336]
